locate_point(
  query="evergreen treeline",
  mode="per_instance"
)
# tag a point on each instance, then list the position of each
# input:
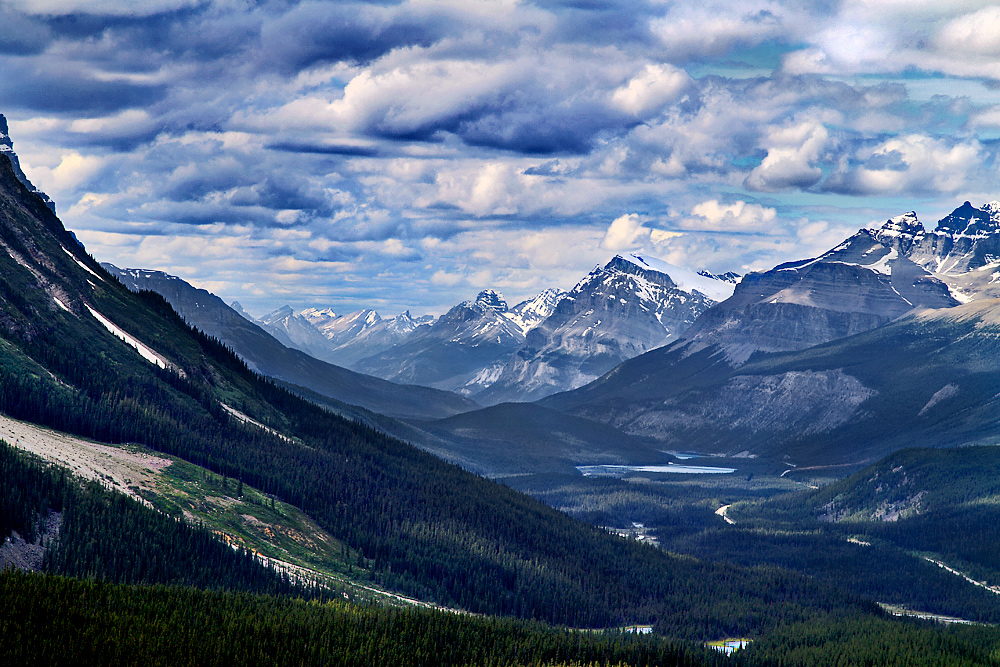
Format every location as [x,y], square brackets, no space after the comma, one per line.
[48,620]
[873,643]
[426,528]
[943,504]
[881,571]
[106,535]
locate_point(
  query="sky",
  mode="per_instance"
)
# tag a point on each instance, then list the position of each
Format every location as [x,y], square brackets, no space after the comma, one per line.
[406,155]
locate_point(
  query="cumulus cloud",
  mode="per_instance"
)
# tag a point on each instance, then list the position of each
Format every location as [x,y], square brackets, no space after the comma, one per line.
[791,155]
[976,33]
[624,233]
[911,164]
[651,89]
[734,216]
[704,29]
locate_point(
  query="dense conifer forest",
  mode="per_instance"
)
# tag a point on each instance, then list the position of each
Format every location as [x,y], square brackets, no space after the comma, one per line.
[425,527]
[147,589]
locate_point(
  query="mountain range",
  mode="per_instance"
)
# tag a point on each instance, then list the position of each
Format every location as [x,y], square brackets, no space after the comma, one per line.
[266,355]
[834,360]
[690,361]
[172,451]
[493,353]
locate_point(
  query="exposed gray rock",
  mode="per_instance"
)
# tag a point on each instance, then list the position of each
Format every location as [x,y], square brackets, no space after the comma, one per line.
[19,554]
[456,352]
[617,312]
[861,284]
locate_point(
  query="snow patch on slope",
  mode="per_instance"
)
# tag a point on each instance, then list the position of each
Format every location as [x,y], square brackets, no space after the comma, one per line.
[82,265]
[686,280]
[146,353]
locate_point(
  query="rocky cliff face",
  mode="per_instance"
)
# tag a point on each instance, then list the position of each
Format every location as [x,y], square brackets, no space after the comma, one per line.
[963,251]
[7,148]
[620,310]
[865,282]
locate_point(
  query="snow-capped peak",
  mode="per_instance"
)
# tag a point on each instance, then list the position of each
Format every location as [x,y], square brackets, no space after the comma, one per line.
[491,300]
[905,224]
[528,314]
[318,315]
[993,208]
[686,280]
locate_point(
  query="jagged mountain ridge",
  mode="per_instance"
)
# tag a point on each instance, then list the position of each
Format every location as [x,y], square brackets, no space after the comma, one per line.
[456,352]
[963,250]
[629,306]
[863,283]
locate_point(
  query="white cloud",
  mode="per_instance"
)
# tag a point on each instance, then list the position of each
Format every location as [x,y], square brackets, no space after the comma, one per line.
[625,233]
[734,216]
[442,277]
[704,29]
[976,33]
[650,90]
[406,98]
[913,164]
[72,171]
[791,153]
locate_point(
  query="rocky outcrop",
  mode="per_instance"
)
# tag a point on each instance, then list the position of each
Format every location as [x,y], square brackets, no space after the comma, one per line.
[7,148]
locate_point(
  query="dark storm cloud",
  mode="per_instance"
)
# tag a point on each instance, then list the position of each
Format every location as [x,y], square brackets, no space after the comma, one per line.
[22,35]
[326,149]
[315,33]
[39,86]
[599,22]
[529,130]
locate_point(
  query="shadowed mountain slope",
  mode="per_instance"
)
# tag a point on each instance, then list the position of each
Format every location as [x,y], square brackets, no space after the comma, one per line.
[264,354]
[81,353]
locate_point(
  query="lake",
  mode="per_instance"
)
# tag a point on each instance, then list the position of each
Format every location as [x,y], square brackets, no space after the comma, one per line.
[609,470]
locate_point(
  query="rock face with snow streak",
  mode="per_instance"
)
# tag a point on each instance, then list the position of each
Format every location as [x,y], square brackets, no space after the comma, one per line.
[530,313]
[963,251]
[865,282]
[630,305]
[7,148]
[295,331]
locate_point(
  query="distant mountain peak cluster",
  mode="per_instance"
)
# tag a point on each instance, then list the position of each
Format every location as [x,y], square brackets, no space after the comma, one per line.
[492,352]
[488,350]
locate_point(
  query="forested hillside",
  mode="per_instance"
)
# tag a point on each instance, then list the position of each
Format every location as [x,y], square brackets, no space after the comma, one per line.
[424,527]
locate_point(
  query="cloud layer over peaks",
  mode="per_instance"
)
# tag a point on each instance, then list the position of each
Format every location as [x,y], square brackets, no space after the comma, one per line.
[407,155]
